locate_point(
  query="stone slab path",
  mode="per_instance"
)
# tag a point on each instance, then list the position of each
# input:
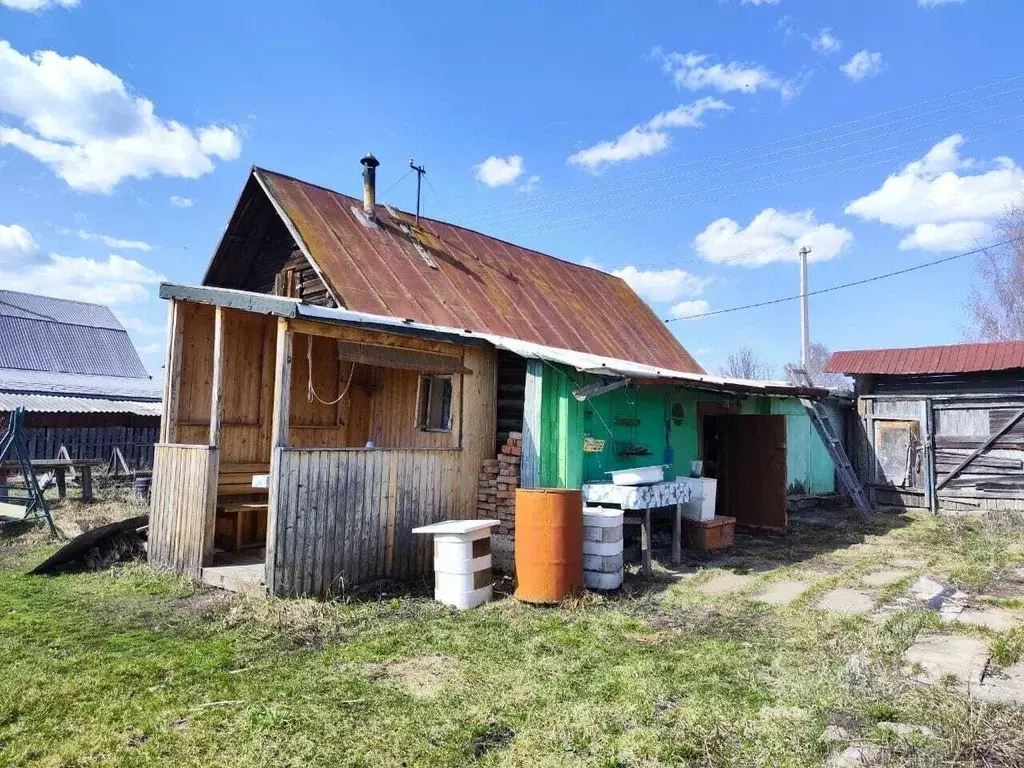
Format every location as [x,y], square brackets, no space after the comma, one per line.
[934,658]
[845,601]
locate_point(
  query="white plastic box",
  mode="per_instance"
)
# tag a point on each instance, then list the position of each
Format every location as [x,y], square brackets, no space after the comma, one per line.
[703,493]
[462,561]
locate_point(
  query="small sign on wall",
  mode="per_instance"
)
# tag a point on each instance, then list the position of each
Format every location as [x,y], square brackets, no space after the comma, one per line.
[592,444]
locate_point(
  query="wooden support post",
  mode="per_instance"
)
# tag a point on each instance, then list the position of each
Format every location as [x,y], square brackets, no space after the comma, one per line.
[645,544]
[62,482]
[530,465]
[87,483]
[278,442]
[172,373]
[931,496]
[217,396]
[677,535]
[282,386]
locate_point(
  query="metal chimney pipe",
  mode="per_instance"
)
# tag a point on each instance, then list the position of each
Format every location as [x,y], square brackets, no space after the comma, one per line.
[370,164]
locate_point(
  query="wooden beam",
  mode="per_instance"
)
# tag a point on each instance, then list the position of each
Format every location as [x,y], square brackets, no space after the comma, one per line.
[172,373]
[282,385]
[982,448]
[368,336]
[217,394]
[530,465]
[397,357]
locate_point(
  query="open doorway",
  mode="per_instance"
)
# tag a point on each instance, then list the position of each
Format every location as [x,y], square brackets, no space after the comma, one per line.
[747,455]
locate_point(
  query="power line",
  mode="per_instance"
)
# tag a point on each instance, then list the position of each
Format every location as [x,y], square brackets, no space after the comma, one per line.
[541,199]
[852,284]
[402,178]
[696,196]
[595,193]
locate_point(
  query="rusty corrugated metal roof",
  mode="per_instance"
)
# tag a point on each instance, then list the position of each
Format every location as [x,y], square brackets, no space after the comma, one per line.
[910,361]
[481,283]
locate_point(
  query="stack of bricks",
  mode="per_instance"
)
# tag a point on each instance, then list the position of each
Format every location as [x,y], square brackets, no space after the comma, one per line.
[499,478]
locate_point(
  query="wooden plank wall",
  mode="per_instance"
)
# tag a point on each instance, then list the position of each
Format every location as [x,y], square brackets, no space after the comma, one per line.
[995,479]
[181,507]
[135,443]
[344,517]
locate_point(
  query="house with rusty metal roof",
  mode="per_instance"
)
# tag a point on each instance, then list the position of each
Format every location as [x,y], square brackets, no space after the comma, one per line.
[73,368]
[939,427]
[348,371]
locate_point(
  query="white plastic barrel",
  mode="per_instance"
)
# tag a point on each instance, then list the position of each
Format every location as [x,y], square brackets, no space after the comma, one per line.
[602,548]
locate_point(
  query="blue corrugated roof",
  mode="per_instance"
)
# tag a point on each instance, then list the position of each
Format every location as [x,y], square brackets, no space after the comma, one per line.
[39,333]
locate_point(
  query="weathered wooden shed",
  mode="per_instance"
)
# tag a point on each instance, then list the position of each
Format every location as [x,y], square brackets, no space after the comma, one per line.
[346,373]
[939,427]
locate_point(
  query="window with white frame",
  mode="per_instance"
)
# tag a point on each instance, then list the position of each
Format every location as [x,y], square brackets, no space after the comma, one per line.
[435,406]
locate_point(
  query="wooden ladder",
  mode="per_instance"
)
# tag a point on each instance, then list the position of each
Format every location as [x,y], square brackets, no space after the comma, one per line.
[844,469]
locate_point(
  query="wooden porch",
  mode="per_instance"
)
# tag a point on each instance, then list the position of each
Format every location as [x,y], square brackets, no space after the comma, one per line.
[359,435]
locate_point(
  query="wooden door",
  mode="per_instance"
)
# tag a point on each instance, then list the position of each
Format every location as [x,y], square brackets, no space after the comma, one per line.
[752,484]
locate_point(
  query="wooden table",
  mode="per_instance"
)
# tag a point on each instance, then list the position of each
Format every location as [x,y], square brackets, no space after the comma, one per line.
[59,467]
[643,498]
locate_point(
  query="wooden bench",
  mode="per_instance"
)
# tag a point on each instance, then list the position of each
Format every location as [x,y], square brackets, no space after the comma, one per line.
[241,509]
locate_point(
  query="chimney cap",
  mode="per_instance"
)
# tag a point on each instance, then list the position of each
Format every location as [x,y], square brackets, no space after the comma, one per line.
[370,161]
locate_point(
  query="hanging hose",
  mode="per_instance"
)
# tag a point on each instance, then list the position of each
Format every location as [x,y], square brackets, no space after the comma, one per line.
[311,394]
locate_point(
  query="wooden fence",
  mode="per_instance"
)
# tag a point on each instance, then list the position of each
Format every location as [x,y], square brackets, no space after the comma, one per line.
[136,443]
[344,516]
[182,503]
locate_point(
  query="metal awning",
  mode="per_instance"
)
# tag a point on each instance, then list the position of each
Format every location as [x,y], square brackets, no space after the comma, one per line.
[582,361]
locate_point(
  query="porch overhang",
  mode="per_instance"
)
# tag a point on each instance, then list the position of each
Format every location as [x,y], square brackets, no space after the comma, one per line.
[612,368]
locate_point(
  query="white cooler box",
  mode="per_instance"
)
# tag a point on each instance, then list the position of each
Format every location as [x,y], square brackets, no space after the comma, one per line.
[703,492]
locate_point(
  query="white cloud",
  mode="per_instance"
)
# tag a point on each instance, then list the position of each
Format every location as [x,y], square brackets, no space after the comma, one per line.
[759,2]
[182,202]
[647,139]
[864,64]
[945,207]
[825,42]
[111,242]
[16,245]
[661,285]
[935,3]
[37,5]
[80,119]
[116,280]
[955,236]
[152,349]
[772,236]
[691,308]
[529,185]
[497,171]
[694,72]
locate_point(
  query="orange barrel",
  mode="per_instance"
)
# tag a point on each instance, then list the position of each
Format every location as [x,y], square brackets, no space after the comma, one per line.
[549,544]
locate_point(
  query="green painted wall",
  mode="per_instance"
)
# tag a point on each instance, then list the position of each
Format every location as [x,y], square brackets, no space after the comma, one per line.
[642,416]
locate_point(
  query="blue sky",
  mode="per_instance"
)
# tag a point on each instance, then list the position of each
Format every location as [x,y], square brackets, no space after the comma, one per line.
[690,146]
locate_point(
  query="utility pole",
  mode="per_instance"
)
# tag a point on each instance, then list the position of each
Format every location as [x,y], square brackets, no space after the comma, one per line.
[805,333]
[420,170]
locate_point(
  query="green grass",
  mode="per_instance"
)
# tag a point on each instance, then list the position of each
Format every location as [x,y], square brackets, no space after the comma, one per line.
[130,668]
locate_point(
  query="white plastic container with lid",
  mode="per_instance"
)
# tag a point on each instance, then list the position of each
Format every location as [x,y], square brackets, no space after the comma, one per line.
[462,561]
[703,493]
